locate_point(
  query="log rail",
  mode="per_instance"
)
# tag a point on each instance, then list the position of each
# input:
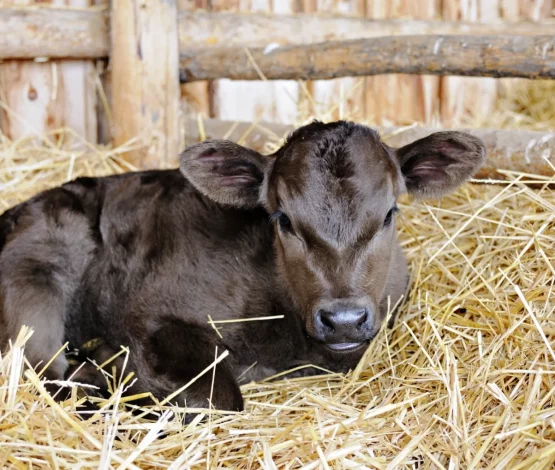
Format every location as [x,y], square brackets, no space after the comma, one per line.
[64,33]
[529,152]
[478,56]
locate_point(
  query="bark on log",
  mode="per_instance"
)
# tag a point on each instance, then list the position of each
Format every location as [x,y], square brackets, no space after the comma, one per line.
[70,33]
[489,56]
[515,150]
[27,33]
[199,30]
[145,80]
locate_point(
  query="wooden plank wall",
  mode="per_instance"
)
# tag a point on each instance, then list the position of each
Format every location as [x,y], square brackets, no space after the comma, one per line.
[524,9]
[459,95]
[41,97]
[196,97]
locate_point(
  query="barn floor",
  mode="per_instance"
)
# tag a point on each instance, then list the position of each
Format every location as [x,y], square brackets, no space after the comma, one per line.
[465,380]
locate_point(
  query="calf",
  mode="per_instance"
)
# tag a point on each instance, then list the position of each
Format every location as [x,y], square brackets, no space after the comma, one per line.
[142,259]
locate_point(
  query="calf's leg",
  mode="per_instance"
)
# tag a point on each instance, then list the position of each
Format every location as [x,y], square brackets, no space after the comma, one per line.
[88,370]
[177,352]
[168,355]
[164,361]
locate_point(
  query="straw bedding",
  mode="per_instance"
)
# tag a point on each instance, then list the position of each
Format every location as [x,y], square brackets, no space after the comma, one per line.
[465,380]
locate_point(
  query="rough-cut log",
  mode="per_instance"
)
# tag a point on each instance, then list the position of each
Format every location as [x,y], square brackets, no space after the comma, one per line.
[523,151]
[84,33]
[207,29]
[26,33]
[490,56]
[145,79]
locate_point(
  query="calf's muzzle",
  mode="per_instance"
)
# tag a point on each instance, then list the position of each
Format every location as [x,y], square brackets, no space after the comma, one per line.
[344,327]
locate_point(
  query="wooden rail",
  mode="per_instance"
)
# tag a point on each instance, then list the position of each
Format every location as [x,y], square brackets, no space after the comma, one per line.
[522,151]
[28,33]
[479,56]
[214,29]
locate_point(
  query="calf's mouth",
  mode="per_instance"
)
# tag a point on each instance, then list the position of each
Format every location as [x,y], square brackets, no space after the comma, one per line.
[346,347]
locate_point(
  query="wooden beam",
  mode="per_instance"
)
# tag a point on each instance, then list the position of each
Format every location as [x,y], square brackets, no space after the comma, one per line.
[523,151]
[28,33]
[51,32]
[480,56]
[145,79]
[202,29]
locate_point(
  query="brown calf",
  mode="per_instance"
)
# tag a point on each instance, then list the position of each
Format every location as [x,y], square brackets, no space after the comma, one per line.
[142,259]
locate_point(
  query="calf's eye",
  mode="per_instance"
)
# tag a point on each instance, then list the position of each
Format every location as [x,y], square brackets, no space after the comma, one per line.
[283,221]
[389,215]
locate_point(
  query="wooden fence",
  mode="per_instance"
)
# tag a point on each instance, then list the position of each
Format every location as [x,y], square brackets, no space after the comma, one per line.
[154,48]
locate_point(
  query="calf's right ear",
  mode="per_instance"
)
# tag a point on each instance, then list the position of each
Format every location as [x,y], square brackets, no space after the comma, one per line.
[438,164]
[225,172]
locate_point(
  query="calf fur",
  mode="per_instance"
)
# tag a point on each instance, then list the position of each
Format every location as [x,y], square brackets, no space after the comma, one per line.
[142,259]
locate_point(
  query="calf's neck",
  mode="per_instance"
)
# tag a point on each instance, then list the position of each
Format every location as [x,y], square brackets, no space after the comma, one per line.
[143,259]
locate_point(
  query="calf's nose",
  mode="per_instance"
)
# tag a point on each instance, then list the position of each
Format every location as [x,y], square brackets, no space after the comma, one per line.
[343,325]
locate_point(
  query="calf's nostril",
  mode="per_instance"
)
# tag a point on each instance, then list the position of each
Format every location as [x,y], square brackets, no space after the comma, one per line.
[363,318]
[326,320]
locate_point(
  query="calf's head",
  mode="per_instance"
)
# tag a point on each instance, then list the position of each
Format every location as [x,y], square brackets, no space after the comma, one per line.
[331,192]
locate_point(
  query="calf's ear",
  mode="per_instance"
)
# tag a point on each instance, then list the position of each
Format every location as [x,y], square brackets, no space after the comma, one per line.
[225,172]
[438,164]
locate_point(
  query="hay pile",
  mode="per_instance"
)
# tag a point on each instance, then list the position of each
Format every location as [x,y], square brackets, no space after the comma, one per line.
[466,379]
[524,104]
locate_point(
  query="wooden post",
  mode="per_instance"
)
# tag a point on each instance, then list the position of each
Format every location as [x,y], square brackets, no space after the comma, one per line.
[145,79]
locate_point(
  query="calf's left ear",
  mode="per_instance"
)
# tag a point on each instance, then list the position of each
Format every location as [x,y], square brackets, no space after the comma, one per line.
[225,172]
[438,164]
